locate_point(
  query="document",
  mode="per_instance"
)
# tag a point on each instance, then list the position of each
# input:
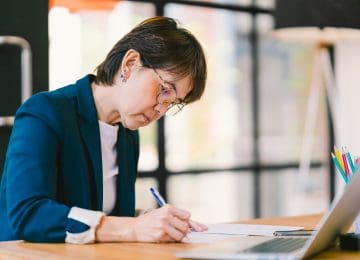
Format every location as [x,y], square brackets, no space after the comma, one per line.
[218,232]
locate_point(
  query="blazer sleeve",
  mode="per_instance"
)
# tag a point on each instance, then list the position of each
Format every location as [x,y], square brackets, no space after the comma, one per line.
[31,185]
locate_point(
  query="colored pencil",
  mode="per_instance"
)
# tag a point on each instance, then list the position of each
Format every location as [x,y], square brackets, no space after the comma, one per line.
[343,156]
[350,161]
[340,170]
[338,157]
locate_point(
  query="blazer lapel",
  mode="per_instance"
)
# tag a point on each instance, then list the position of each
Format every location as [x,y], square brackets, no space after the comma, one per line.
[89,128]
[90,134]
[127,159]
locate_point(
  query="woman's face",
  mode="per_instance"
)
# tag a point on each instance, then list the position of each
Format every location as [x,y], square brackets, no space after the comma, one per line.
[139,95]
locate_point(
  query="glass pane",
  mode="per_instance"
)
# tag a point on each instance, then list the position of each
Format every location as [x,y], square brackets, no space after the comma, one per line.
[148,159]
[285,79]
[144,200]
[213,197]
[80,41]
[286,193]
[215,131]
[265,3]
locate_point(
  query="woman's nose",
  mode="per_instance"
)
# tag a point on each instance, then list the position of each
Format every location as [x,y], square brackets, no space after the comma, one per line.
[160,109]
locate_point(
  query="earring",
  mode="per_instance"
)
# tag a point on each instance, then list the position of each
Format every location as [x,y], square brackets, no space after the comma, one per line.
[122,77]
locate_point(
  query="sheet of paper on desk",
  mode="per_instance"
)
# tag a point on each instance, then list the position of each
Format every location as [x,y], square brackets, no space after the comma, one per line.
[218,232]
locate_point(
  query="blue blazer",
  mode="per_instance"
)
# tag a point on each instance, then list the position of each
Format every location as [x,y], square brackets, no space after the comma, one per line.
[53,163]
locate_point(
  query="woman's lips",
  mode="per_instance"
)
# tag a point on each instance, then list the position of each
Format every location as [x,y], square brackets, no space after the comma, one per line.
[146,119]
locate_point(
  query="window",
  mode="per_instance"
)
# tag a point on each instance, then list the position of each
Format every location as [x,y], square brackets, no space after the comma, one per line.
[234,154]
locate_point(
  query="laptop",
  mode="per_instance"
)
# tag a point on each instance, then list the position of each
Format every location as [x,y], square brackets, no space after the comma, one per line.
[340,217]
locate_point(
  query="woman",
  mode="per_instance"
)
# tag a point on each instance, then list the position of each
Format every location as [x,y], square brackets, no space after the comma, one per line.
[72,158]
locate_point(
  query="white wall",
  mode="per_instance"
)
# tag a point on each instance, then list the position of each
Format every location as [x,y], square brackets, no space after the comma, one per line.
[347,69]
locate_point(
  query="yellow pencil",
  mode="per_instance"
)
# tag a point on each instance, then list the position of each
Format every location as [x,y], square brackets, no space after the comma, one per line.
[338,157]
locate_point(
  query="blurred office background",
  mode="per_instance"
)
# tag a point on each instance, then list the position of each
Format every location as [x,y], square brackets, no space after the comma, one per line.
[234,154]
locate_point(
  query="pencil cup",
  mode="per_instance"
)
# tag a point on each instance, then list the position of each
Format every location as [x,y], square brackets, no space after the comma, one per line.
[357,224]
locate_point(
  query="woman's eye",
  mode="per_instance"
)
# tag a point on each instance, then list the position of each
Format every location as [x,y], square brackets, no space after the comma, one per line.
[166,92]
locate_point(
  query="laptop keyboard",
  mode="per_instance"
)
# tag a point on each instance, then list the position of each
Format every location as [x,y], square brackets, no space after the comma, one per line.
[278,245]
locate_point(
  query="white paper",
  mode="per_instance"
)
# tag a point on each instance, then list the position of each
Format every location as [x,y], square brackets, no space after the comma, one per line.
[217,232]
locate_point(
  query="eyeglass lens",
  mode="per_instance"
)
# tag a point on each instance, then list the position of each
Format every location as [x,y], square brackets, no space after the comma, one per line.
[166,97]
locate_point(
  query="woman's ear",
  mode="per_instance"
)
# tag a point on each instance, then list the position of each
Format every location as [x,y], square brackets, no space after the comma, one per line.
[130,61]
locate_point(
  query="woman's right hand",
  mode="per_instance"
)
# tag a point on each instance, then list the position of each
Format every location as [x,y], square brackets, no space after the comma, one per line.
[166,224]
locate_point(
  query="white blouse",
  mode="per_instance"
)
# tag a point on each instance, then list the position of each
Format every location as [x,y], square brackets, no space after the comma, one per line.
[108,137]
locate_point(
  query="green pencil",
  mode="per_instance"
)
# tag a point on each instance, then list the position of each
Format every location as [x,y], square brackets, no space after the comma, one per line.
[337,164]
[352,166]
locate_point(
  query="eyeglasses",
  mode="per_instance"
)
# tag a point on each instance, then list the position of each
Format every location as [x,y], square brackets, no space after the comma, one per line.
[167,96]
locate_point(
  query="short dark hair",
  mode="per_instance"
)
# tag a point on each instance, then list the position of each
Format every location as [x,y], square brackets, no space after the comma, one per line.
[164,45]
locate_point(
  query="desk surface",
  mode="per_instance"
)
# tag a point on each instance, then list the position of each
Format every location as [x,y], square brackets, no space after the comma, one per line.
[24,250]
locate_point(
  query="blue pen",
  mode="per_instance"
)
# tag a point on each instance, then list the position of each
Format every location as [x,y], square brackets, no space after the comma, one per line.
[159,199]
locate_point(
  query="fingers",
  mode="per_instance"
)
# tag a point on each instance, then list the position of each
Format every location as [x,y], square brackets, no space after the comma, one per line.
[181,225]
[166,224]
[180,213]
[174,234]
[196,226]
[176,222]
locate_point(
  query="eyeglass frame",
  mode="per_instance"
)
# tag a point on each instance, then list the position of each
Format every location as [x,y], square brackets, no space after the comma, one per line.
[177,102]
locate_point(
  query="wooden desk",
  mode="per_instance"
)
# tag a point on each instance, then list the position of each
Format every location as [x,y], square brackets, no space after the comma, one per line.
[133,251]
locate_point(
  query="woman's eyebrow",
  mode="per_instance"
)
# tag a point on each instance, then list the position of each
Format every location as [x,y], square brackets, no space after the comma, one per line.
[173,85]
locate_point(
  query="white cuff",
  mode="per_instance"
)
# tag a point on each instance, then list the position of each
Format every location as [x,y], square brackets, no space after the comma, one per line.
[89,217]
